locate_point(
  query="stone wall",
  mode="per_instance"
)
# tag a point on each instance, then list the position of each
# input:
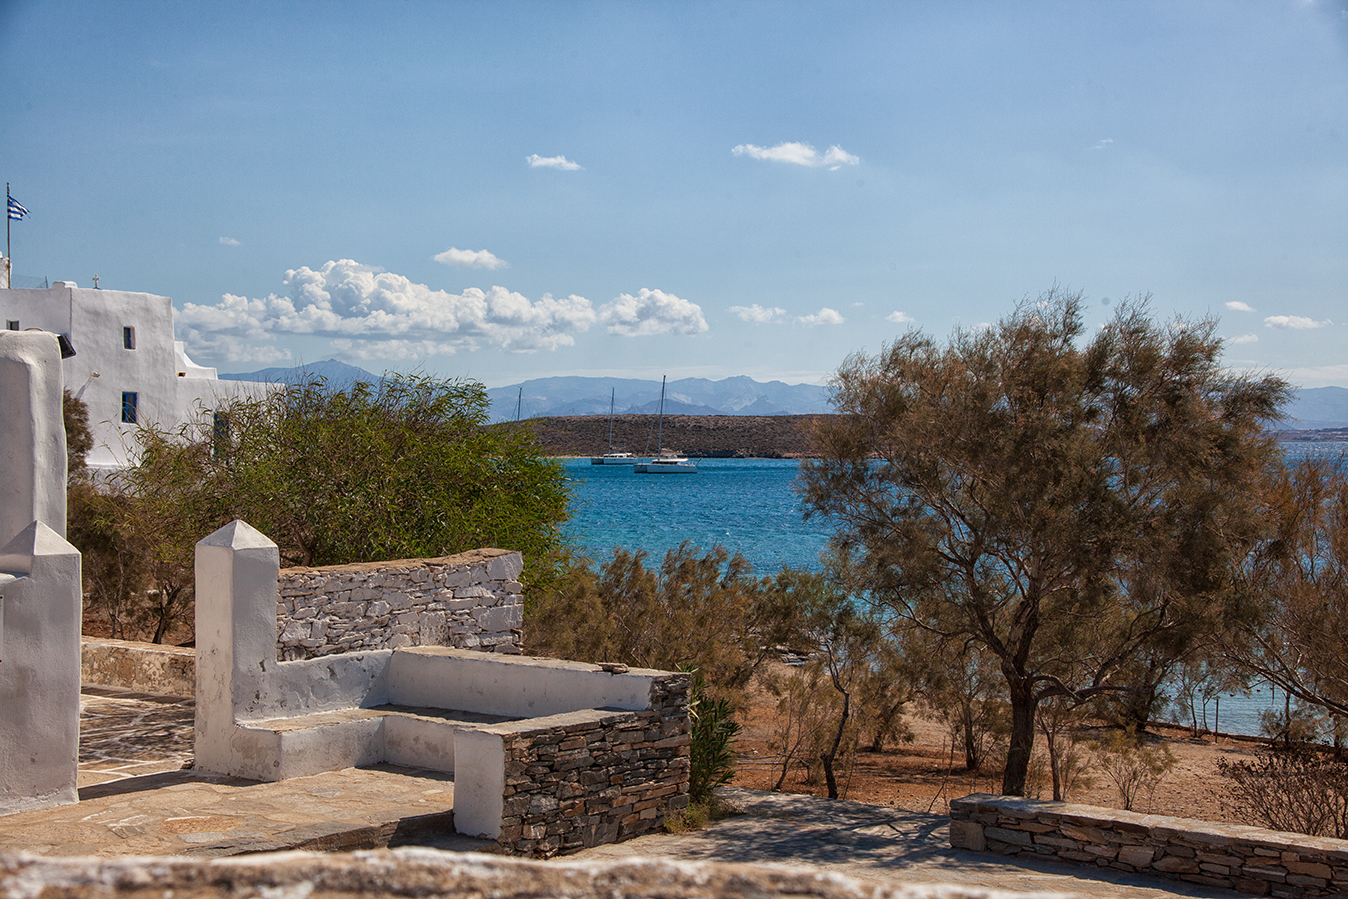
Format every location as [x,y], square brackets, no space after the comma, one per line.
[143,667]
[470,601]
[414,873]
[596,777]
[1235,856]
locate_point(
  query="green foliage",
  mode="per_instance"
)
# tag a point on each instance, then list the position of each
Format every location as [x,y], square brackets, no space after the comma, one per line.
[712,753]
[405,469]
[1064,501]
[702,611]
[79,439]
[1294,632]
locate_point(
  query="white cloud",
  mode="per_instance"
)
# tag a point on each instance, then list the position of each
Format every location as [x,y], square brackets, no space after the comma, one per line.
[551,162]
[758,314]
[360,304]
[900,318]
[825,316]
[1243,339]
[470,259]
[798,153]
[1238,306]
[1296,322]
[1103,144]
[230,242]
[652,312]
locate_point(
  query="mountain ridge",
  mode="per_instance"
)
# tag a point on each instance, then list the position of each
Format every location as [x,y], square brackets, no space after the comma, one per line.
[1310,408]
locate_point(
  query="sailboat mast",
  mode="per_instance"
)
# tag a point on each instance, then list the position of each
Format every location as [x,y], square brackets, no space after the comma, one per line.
[660,435]
[611,399]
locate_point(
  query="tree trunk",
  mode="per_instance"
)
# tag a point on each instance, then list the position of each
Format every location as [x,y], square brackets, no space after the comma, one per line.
[972,761]
[1023,707]
[828,757]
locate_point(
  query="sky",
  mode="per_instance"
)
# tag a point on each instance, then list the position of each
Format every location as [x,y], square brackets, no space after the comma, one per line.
[504,191]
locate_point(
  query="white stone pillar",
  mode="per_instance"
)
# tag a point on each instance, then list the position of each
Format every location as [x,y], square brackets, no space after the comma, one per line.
[236,570]
[32,433]
[39,670]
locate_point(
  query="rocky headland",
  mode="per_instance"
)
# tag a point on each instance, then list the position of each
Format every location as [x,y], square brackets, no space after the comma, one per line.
[697,436]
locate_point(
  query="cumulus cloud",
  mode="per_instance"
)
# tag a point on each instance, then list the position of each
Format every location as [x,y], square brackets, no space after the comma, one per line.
[1103,144]
[551,162]
[470,259]
[230,242]
[1244,338]
[363,306]
[900,318]
[825,316]
[1295,322]
[798,153]
[652,312]
[757,314]
[1238,306]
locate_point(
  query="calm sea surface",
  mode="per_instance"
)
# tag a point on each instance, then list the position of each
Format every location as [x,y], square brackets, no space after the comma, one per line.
[750,506]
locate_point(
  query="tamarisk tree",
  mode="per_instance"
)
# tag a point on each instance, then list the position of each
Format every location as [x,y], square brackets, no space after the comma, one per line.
[1065,502]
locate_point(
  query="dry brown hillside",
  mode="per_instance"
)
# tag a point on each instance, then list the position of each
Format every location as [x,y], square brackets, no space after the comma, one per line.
[699,436]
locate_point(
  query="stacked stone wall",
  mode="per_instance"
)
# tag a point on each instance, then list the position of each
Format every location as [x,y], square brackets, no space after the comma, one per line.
[597,777]
[470,601]
[1238,857]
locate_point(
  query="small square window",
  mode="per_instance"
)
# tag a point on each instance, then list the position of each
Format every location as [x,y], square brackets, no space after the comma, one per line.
[128,338]
[219,435]
[12,324]
[129,407]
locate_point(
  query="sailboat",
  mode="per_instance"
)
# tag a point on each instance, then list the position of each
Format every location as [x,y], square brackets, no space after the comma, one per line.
[665,461]
[610,457]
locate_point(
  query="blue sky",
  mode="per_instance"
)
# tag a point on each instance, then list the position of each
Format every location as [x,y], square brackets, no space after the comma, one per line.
[514,190]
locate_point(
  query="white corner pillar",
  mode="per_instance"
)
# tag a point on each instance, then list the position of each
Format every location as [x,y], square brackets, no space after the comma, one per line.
[39,670]
[236,569]
[479,783]
[32,433]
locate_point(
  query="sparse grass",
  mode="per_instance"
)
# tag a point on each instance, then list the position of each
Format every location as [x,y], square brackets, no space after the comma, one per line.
[699,814]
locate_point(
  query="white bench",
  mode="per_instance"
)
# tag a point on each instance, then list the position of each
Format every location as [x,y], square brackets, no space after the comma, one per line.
[429,707]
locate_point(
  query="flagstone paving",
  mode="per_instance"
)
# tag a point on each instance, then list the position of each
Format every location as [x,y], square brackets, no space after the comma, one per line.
[138,796]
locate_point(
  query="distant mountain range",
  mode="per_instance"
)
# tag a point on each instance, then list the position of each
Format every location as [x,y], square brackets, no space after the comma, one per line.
[1310,408]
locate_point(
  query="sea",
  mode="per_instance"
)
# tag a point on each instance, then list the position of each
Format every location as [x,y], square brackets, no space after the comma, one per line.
[752,507]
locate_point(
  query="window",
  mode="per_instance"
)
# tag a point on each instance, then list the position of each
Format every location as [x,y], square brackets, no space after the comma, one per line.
[129,407]
[128,338]
[220,435]
[12,324]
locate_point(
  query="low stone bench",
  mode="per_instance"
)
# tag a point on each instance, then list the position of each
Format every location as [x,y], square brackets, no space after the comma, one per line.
[548,755]
[1235,856]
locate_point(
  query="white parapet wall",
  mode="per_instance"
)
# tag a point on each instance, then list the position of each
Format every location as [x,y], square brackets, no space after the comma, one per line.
[548,755]
[32,433]
[39,670]
[238,678]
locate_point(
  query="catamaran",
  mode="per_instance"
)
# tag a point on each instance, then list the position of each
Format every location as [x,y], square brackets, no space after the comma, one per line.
[665,461]
[610,457]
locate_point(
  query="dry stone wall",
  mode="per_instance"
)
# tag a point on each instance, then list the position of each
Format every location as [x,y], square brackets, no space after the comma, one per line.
[1235,856]
[595,777]
[469,601]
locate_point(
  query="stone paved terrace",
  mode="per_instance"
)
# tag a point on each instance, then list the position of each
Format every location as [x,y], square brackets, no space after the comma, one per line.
[136,799]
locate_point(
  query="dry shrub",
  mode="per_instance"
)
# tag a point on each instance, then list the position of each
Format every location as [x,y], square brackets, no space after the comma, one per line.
[1294,790]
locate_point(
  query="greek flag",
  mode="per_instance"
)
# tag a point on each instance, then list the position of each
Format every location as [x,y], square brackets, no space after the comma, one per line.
[16,209]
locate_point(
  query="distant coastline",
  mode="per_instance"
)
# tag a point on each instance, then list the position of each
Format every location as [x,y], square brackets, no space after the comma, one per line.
[698,436]
[730,436]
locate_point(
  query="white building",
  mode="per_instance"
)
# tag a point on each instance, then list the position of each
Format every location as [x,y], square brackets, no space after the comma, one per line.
[127,367]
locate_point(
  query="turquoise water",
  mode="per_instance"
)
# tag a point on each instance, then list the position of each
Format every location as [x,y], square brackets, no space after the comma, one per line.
[750,506]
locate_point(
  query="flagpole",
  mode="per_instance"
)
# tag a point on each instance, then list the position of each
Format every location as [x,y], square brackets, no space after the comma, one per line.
[9,263]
